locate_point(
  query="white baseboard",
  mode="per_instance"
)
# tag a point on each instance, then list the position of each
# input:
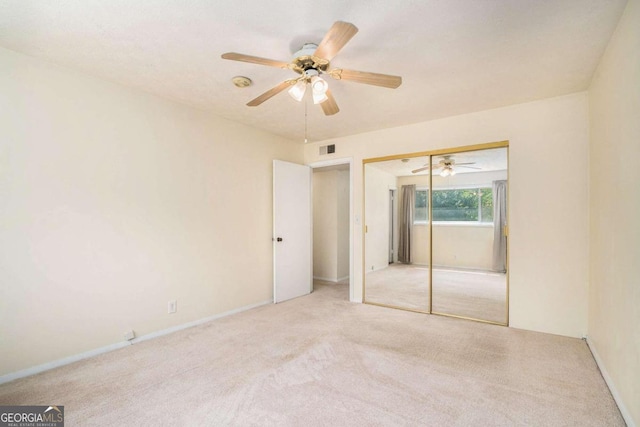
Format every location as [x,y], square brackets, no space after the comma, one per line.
[61,362]
[326,279]
[177,328]
[614,392]
[95,352]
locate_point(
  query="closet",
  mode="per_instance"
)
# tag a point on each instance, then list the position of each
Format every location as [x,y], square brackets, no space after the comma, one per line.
[439,245]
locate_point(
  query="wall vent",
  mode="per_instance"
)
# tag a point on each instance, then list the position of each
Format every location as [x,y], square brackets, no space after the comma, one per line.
[328,149]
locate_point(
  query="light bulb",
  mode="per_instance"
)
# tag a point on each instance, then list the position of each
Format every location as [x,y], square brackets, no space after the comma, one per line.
[318,85]
[297,91]
[445,172]
[452,171]
[319,98]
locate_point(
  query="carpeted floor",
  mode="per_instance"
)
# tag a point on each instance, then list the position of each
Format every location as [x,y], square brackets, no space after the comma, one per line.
[320,360]
[473,294]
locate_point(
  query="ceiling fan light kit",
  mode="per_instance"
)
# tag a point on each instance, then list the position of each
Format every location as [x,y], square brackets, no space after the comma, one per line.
[319,97]
[318,85]
[298,90]
[319,88]
[310,62]
[447,171]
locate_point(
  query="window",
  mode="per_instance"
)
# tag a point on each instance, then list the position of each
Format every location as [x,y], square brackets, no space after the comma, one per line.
[455,205]
[421,213]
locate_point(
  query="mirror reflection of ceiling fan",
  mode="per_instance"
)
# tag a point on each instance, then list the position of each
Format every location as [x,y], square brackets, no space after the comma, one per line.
[311,62]
[446,163]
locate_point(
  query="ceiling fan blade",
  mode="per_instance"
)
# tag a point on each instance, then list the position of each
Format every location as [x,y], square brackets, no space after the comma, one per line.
[335,39]
[424,168]
[329,106]
[254,60]
[467,163]
[270,93]
[468,167]
[384,80]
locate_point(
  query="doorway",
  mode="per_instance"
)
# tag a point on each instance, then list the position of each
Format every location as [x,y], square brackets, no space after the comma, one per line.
[332,223]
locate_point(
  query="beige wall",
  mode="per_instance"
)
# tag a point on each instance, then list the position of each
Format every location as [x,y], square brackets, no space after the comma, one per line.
[325,228]
[114,202]
[614,297]
[343,190]
[330,225]
[548,206]
[463,246]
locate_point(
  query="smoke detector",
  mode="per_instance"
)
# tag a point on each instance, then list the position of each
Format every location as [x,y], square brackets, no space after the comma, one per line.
[241,81]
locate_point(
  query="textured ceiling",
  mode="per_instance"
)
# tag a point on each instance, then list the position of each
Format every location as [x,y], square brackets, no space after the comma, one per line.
[454,56]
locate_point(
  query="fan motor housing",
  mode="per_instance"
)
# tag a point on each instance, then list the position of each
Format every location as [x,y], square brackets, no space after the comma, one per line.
[304,59]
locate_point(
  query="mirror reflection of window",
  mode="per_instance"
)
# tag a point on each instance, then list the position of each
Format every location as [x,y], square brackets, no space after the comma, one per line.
[470,204]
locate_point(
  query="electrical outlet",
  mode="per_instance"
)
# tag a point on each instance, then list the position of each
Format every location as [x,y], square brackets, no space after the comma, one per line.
[129,335]
[172,307]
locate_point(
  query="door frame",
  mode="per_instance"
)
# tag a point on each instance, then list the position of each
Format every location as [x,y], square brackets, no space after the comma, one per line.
[334,162]
[392,224]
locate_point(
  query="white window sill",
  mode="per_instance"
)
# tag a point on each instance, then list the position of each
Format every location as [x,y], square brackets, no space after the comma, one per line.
[455,224]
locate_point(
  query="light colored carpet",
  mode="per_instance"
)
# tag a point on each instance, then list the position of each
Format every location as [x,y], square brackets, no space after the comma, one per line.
[320,360]
[400,285]
[474,294]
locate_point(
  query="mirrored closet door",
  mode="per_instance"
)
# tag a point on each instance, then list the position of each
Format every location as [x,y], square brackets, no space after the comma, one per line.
[436,232]
[396,233]
[468,213]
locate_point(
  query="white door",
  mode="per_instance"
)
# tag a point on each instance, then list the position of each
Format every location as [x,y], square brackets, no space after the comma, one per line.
[292,231]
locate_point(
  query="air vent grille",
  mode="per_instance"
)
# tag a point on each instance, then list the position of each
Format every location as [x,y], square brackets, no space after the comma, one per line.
[327,149]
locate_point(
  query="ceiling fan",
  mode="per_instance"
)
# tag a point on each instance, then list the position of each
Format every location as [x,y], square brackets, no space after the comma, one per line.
[313,60]
[446,163]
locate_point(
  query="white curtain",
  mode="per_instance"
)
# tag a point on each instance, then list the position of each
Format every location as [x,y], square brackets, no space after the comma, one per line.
[499,223]
[407,207]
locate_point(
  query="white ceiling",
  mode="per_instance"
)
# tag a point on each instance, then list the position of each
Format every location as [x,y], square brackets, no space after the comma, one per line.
[454,56]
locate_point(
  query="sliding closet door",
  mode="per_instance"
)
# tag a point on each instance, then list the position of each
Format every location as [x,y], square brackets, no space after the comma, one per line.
[450,232]
[401,281]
